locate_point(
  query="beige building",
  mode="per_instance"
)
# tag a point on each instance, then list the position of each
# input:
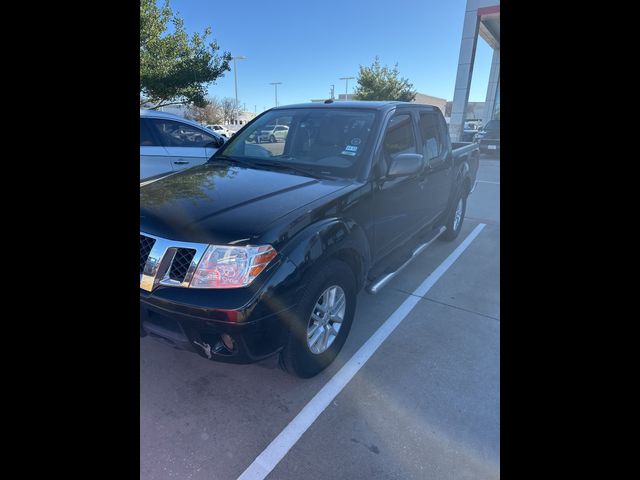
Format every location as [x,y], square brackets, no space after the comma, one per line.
[420,98]
[423,99]
[474,110]
[243,118]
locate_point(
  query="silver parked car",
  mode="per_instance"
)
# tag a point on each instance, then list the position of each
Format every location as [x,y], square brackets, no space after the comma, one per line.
[169,143]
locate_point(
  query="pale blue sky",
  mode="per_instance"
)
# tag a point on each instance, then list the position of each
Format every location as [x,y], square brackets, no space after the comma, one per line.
[309,44]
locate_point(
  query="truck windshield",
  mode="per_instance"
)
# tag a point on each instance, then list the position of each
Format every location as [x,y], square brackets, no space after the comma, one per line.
[324,141]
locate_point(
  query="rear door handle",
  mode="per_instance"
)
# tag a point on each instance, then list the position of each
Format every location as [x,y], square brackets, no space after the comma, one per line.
[181,162]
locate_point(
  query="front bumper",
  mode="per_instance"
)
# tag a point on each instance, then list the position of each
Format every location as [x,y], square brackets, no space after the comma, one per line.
[249,342]
[256,319]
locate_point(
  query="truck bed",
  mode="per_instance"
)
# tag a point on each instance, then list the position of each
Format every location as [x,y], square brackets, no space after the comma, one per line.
[469,151]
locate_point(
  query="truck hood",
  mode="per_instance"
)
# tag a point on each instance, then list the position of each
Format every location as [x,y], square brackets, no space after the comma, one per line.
[223,204]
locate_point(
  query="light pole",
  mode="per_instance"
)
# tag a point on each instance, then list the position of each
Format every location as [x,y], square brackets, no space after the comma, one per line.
[235,77]
[346,87]
[332,90]
[275,84]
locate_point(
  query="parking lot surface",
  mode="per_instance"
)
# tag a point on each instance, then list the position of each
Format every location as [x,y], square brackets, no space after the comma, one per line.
[425,405]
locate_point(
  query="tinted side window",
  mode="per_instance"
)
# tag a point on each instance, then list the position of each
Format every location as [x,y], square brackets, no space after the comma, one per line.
[431,137]
[399,137]
[177,134]
[146,138]
[445,139]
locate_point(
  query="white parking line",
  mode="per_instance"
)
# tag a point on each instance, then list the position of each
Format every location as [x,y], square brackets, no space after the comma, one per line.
[278,448]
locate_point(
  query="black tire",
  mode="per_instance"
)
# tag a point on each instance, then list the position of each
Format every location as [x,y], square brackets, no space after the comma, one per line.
[272,139]
[297,358]
[452,233]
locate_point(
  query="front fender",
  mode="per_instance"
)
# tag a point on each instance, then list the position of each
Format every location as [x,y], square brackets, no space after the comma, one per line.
[333,237]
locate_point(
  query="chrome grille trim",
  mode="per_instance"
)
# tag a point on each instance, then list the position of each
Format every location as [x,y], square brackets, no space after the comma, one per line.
[156,269]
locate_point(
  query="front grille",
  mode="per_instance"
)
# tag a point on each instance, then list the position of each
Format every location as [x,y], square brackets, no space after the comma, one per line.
[181,263]
[146,244]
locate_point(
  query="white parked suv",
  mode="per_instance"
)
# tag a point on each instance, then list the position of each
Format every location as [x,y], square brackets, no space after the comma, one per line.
[273,134]
[170,143]
[219,129]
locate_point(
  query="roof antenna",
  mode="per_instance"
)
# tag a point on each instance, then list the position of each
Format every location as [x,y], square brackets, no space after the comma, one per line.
[328,101]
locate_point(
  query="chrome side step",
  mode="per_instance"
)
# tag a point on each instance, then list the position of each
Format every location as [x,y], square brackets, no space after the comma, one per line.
[377,285]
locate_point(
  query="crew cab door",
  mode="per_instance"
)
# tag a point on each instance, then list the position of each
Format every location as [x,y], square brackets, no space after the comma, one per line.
[398,204]
[436,148]
[186,145]
[154,159]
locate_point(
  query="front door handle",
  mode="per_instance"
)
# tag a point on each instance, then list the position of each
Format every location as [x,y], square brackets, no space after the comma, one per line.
[181,162]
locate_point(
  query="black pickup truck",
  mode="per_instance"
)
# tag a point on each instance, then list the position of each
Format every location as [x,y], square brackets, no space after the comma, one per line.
[264,248]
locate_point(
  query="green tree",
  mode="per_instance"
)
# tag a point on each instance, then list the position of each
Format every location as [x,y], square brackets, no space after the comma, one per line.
[382,83]
[175,69]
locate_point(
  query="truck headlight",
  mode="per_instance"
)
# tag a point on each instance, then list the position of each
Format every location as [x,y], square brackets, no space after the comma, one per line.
[231,267]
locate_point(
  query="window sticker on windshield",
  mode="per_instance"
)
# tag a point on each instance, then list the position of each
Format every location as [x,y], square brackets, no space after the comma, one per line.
[350,150]
[355,141]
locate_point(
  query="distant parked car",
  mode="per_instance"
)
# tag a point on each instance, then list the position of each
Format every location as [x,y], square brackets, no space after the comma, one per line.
[219,129]
[488,137]
[468,134]
[471,128]
[473,124]
[169,143]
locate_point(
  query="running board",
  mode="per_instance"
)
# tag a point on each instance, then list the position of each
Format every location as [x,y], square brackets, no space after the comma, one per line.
[377,285]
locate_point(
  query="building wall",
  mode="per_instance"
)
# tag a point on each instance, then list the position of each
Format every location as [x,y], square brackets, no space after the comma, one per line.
[423,99]
[466,60]
[241,121]
[474,110]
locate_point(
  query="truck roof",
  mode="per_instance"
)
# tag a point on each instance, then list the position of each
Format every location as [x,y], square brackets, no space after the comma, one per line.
[364,104]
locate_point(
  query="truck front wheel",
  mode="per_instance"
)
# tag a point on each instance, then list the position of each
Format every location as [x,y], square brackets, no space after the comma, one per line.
[456,217]
[321,321]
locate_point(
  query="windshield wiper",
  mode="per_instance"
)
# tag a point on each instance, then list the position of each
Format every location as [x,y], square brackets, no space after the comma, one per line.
[286,166]
[237,160]
[271,164]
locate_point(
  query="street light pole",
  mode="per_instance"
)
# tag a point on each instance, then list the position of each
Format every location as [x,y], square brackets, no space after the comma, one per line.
[235,77]
[346,87]
[332,92]
[275,84]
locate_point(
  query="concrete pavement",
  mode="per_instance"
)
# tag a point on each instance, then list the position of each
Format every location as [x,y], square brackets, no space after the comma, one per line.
[426,404]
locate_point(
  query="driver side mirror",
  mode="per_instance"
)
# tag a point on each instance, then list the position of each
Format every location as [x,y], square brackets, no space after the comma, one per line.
[405,164]
[217,143]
